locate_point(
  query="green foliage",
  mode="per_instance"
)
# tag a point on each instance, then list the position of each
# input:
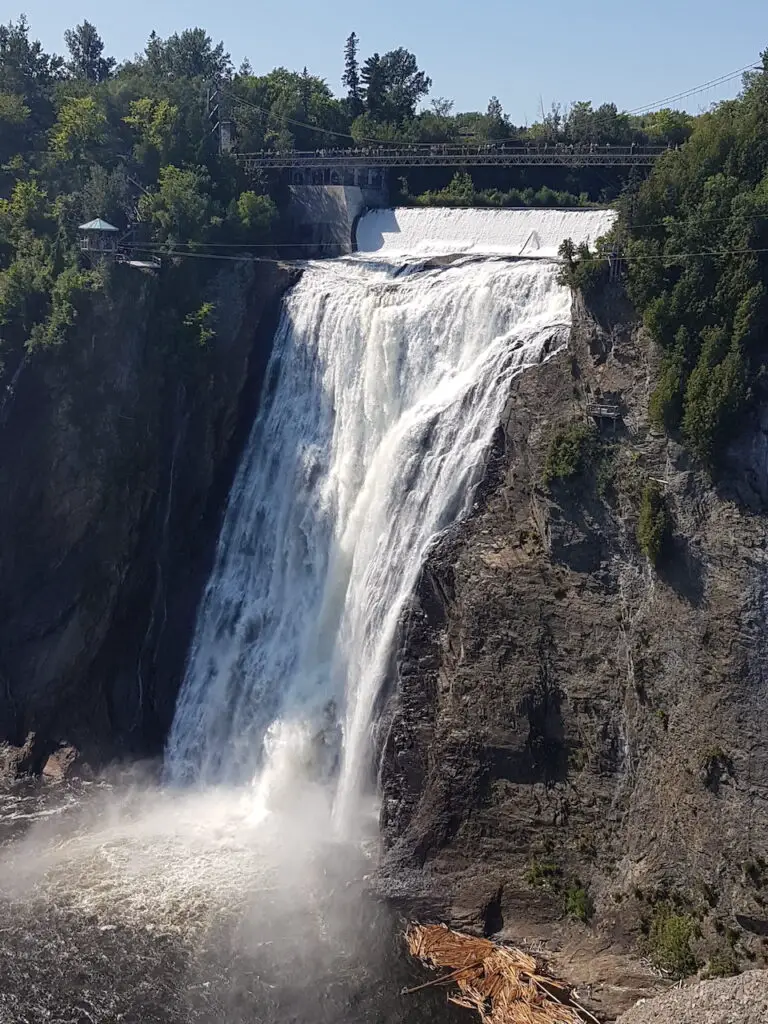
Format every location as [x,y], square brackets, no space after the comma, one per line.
[13,109]
[547,874]
[133,145]
[86,47]
[570,452]
[582,269]
[665,408]
[351,77]
[27,209]
[722,964]
[68,289]
[394,84]
[257,215]
[668,943]
[578,903]
[654,527]
[80,126]
[153,121]
[461,192]
[544,874]
[714,397]
[200,323]
[189,54]
[181,207]
[708,312]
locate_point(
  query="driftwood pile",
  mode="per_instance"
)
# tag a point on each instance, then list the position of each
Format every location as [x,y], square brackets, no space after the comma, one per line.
[503,984]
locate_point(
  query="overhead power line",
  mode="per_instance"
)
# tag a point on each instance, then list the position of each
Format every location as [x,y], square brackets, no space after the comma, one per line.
[692,92]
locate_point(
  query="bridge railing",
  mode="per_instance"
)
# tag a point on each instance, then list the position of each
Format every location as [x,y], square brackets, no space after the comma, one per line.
[498,155]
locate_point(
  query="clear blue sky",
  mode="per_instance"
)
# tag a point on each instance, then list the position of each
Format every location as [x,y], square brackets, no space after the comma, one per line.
[633,53]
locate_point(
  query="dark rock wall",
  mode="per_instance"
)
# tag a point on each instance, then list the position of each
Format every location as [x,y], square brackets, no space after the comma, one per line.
[116,455]
[565,716]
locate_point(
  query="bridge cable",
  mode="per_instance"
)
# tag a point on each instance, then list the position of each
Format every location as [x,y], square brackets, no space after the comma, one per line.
[671,257]
[650,107]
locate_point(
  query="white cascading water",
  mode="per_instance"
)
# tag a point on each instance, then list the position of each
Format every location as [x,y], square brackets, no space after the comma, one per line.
[382,396]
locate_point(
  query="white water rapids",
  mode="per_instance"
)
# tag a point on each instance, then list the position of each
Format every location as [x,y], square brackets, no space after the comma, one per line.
[382,396]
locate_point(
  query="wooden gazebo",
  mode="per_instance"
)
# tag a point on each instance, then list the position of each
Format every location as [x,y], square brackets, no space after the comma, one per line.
[98,238]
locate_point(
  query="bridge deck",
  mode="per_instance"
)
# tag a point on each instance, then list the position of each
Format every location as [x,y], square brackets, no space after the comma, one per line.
[455,156]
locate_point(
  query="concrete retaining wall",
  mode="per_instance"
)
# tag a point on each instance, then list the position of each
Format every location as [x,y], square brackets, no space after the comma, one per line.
[324,216]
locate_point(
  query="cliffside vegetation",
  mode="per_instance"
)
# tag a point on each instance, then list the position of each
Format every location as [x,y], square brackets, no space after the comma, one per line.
[695,236]
[81,138]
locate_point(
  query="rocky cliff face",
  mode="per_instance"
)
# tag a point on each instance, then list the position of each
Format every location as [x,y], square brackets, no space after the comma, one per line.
[572,729]
[116,454]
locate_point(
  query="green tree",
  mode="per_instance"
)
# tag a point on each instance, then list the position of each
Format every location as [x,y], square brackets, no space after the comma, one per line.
[153,121]
[13,110]
[181,207]
[667,125]
[189,54]
[393,85]
[257,215]
[654,527]
[14,116]
[351,77]
[708,312]
[80,127]
[305,93]
[373,77]
[442,107]
[496,123]
[405,83]
[86,48]
[25,68]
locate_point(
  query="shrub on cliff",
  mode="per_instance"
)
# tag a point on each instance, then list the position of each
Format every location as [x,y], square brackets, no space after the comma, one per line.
[654,527]
[570,452]
[582,269]
[668,943]
[578,903]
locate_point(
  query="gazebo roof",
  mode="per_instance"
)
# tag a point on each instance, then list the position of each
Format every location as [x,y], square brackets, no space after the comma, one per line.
[97,225]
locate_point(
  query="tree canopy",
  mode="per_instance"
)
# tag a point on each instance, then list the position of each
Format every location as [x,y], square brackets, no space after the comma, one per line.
[81,137]
[698,266]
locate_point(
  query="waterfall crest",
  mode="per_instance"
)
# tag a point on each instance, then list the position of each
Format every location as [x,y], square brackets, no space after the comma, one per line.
[382,396]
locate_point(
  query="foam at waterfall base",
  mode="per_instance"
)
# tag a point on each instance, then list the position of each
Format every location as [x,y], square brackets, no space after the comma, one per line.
[408,232]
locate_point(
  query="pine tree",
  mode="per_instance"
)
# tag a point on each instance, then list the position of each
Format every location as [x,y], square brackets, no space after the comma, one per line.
[305,91]
[351,77]
[374,79]
[85,47]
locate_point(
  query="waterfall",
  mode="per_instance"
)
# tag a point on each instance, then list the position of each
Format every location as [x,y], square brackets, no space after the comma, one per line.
[382,396]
